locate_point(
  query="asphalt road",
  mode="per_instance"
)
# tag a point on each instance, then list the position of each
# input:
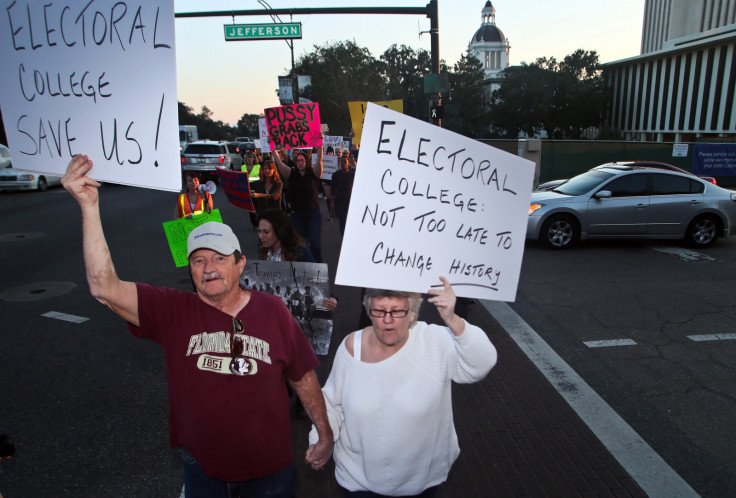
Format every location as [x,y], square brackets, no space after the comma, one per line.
[86,404]
[677,392]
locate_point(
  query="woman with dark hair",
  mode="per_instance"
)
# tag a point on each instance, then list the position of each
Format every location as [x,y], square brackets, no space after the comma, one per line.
[266,192]
[303,183]
[280,242]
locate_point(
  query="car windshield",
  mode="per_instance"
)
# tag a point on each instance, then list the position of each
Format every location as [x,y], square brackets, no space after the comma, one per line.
[581,184]
[202,149]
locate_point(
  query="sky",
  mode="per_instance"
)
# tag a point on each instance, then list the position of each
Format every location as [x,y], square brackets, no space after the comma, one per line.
[232,78]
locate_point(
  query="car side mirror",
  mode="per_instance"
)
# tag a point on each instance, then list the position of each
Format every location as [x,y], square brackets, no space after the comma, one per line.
[603,194]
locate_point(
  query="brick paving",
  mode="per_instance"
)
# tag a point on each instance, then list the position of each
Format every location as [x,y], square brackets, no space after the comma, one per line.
[517,435]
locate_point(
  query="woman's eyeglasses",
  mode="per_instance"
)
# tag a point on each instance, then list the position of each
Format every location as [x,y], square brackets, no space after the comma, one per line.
[394,313]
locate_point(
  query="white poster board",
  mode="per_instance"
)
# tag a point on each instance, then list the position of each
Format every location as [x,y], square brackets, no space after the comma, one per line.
[329,165]
[263,136]
[96,78]
[426,203]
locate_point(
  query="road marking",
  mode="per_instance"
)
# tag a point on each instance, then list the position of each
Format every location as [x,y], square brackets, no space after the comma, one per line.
[685,254]
[712,337]
[651,472]
[610,342]
[65,317]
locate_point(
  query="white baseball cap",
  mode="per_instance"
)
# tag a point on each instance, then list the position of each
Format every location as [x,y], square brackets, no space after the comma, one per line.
[213,235]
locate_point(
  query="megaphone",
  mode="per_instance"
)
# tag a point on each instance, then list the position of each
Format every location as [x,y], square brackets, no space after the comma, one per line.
[208,187]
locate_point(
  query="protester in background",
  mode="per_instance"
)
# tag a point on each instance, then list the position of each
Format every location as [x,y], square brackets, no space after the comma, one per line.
[280,242]
[254,173]
[342,188]
[303,184]
[266,192]
[193,201]
[224,347]
[389,396]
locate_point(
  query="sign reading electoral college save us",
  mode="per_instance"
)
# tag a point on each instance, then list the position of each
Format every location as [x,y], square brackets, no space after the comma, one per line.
[96,78]
[427,202]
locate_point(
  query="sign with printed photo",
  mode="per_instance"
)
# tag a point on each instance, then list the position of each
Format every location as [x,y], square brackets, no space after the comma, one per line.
[302,287]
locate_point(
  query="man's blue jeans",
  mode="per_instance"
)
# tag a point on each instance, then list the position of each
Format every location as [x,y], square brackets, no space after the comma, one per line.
[197,484]
[308,224]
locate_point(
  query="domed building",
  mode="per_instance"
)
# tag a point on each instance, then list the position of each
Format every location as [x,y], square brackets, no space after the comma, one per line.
[491,48]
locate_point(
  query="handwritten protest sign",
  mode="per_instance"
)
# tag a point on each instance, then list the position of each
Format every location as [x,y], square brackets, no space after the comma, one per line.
[293,126]
[177,232]
[357,114]
[336,141]
[329,165]
[97,78]
[426,203]
[263,136]
[236,185]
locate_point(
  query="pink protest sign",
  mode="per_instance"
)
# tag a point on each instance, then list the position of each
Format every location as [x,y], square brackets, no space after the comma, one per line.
[293,126]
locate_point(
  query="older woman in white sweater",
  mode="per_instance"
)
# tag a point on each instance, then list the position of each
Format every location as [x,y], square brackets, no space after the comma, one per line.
[389,394]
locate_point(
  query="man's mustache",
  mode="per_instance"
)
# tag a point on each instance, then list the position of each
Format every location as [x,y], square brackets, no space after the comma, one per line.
[210,276]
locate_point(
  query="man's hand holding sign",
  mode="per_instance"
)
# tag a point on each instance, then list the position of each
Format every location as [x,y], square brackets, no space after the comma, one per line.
[426,203]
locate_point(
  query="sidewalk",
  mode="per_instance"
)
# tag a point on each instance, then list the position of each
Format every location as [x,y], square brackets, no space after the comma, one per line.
[517,435]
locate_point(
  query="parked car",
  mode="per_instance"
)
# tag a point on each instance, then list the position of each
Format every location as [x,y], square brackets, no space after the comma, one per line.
[204,156]
[619,200]
[652,164]
[12,179]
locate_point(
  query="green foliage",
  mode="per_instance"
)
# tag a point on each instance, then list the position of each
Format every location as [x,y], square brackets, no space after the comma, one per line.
[248,125]
[342,72]
[561,98]
[465,112]
[404,72]
[207,128]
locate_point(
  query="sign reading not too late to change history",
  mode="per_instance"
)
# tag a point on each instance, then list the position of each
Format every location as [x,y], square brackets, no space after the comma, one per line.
[427,202]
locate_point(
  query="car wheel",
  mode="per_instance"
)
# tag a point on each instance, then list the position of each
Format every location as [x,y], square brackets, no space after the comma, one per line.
[703,231]
[559,232]
[42,184]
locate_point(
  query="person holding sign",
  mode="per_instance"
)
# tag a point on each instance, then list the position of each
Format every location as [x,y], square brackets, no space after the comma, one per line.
[194,201]
[254,174]
[266,192]
[227,351]
[303,184]
[280,242]
[342,189]
[389,394]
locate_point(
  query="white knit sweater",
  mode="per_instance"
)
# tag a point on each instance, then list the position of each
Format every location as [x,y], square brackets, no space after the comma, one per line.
[392,420]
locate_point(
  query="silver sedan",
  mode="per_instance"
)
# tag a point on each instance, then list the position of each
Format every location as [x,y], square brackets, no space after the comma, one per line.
[617,200]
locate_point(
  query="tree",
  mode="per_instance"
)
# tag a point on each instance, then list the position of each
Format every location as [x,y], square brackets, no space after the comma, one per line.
[248,125]
[404,71]
[563,99]
[342,72]
[466,114]
[207,128]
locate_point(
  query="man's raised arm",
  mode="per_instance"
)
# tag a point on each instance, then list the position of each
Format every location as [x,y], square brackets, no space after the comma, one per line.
[104,284]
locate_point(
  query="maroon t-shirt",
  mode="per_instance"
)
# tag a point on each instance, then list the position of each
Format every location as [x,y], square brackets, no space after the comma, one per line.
[233,416]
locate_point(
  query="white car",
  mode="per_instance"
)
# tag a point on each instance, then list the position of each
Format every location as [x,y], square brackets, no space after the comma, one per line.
[12,179]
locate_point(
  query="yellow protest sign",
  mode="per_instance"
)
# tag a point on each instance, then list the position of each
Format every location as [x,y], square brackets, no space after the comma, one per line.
[357,114]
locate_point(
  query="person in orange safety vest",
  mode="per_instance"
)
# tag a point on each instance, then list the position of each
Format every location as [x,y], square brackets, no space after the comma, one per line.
[192,202]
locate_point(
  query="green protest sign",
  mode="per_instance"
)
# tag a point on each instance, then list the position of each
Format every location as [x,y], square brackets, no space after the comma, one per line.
[177,232]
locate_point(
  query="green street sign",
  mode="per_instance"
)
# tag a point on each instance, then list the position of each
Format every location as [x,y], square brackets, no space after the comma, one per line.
[435,83]
[238,32]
